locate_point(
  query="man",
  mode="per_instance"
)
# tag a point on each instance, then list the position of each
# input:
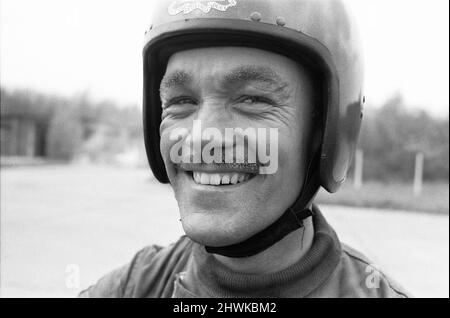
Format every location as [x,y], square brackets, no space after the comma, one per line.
[225,84]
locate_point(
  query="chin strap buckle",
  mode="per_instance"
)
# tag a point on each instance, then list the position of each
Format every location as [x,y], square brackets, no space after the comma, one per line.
[301,215]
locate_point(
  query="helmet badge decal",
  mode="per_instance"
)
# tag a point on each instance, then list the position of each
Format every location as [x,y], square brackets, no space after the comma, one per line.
[187,6]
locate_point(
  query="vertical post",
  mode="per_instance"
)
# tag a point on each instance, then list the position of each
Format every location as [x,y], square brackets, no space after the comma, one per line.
[418,173]
[358,176]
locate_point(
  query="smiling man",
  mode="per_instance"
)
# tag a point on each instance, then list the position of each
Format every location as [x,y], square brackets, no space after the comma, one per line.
[221,204]
[249,108]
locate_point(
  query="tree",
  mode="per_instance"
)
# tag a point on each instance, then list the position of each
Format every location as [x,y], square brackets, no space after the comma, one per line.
[65,134]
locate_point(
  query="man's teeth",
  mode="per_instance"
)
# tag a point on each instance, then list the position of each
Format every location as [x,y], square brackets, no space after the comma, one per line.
[218,179]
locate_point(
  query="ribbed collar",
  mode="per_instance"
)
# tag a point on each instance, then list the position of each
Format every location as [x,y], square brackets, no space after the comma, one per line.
[207,277]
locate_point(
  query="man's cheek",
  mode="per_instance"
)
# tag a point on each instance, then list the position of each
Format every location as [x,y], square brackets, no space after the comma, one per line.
[166,145]
[268,151]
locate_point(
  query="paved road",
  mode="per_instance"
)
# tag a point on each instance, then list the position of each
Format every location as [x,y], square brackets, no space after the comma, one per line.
[64,227]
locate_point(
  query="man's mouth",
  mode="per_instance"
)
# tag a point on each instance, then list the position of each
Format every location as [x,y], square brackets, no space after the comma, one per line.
[219,174]
[218,179]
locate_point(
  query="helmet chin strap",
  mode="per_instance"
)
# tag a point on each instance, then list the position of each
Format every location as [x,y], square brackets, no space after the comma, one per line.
[290,221]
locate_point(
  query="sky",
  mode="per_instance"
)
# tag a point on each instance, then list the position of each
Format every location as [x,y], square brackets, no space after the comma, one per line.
[75,46]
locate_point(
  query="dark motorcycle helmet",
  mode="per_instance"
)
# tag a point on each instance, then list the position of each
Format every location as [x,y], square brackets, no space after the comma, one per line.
[319,34]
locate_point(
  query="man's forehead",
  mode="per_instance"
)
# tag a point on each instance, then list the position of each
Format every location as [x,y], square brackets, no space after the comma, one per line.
[223,58]
[228,75]
[229,65]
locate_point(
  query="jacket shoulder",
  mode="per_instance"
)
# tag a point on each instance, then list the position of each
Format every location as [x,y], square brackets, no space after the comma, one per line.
[150,273]
[363,278]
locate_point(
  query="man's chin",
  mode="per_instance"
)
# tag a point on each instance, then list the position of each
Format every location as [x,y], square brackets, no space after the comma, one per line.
[209,238]
[215,236]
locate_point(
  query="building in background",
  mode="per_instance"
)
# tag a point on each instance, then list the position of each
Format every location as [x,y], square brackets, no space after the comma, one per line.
[23,135]
[38,128]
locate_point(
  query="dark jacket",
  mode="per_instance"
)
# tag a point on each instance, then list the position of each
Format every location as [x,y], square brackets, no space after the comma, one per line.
[184,269]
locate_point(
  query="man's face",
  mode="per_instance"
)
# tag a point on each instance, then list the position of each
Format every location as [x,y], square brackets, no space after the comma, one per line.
[229,88]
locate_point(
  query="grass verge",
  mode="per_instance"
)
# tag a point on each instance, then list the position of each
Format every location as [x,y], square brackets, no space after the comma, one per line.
[397,196]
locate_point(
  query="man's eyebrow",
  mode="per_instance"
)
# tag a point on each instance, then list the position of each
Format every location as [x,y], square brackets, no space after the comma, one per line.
[255,73]
[247,73]
[177,78]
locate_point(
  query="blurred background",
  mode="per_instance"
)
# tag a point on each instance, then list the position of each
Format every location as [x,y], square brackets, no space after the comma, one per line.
[78,198]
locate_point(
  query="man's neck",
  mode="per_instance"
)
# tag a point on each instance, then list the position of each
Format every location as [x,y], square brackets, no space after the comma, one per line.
[278,257]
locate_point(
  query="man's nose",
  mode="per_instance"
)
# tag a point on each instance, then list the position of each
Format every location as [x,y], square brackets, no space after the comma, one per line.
[215,114]
[211,117]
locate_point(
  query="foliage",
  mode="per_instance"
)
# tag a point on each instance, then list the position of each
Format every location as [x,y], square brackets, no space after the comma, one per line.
[391,136]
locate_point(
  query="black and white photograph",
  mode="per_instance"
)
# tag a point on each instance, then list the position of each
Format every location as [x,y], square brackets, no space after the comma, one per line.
[227,149]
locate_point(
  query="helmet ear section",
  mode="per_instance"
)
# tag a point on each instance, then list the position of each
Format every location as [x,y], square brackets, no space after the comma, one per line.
[318,116]
[316,141]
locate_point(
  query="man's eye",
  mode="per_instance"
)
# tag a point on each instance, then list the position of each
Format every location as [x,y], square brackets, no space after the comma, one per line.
[255,100]
[183,100]
[179,107]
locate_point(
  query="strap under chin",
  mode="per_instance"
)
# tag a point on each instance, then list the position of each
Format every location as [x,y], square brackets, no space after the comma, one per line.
[290,221]
[287,223]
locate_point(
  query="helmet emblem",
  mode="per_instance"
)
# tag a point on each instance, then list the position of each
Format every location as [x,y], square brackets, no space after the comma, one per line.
[187,6]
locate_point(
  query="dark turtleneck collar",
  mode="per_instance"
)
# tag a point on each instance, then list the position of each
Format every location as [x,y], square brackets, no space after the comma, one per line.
[207,277]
